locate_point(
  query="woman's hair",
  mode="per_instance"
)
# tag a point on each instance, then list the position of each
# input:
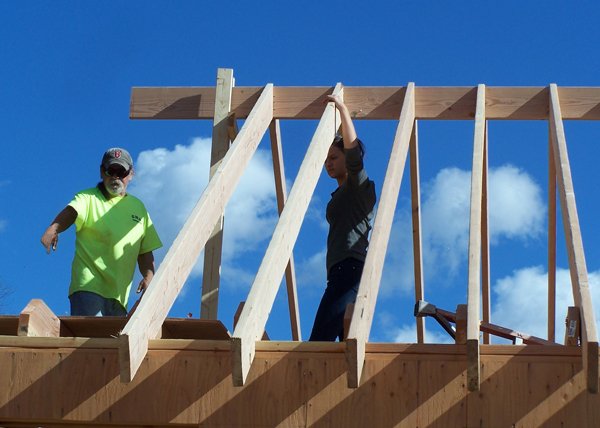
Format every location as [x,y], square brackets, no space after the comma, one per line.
[338,142]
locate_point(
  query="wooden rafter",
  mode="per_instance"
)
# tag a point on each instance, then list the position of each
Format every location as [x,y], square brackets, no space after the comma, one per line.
[369,103]
[220,145]
[264,289]
[146,322]
[281,192]
[364,307]
[570,220]
[474,261]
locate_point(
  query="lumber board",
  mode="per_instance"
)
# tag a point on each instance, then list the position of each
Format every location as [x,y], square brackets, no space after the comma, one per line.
[551,241]
[281,193]
[147,320]
[474,261]
[264,288]
[572,231]
[415,192]
[369,103]
[485,239]
[368,288]
[220,144]
[80,387]
[37,319]
[9,325]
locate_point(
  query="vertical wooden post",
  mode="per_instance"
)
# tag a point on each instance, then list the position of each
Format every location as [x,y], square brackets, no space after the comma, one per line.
[551,241]
[474,282]
[485,239]
[281,192]
[220,144]
[415,191]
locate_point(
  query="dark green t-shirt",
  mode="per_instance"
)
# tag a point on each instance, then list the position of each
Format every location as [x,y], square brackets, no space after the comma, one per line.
[350,213]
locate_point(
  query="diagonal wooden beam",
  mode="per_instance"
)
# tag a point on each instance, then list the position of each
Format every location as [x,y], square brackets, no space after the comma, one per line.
[220,144]
[415,191]
[364,308]
[264,289]
[474,261]
[37,319]
[570,220]
[147,320]
[281,192]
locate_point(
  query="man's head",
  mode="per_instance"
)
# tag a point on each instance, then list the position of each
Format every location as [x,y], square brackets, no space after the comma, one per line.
[116,170]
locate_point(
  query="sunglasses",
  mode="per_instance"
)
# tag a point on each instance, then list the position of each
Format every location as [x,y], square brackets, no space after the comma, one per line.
[116,172]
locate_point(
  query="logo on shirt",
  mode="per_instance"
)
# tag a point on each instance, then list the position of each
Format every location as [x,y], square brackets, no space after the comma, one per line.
[136,218]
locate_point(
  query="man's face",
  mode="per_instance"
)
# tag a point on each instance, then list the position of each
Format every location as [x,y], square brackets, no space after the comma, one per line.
[115,179]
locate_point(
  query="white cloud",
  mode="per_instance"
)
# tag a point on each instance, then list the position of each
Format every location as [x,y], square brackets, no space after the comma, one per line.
[516,212]
[3,224]
[312,271]
[407,333]
[521,300]
[170,182]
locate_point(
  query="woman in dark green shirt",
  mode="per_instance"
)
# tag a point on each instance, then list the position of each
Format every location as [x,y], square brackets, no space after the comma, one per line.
[349,214]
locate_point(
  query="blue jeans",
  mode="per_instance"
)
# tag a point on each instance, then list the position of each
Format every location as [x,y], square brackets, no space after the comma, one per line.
[85,303]
[343,279]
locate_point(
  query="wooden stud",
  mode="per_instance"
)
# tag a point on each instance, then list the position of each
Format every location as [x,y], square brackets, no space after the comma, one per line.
[281,192]
[474,262]
[485,240]
[415,191]
[220,144]
[264,289]
[348,319]
[147,320]
[577,265]
[37,319]
[572,327]
[364,307]
[368,103]
[461,325]
[551,241]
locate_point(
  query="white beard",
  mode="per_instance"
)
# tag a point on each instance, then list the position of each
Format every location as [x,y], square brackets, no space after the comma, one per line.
[115,187]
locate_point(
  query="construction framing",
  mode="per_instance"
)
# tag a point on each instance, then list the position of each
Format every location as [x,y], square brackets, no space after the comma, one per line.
[262,108]
[406,104]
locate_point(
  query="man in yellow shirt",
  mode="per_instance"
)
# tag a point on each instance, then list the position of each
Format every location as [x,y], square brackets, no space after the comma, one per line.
[113,232]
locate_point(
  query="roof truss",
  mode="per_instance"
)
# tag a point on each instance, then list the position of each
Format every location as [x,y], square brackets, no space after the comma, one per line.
[264,106]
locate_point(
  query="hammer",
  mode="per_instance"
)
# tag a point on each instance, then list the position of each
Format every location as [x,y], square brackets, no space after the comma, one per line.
[426,309]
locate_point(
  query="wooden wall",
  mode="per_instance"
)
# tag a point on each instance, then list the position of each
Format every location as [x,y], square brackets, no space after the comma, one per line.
[403,385]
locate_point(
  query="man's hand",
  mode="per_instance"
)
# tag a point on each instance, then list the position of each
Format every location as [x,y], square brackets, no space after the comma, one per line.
[146,265]
[144,283]
[50,238]
[62,222]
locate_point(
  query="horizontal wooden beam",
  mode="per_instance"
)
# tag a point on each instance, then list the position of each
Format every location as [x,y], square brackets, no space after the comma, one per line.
[369,103]
[147,320]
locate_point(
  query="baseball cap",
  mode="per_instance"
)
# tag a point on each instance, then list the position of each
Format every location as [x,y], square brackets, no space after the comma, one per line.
[118,156]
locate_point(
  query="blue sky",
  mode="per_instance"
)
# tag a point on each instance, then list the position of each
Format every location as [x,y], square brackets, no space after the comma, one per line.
[67,69]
